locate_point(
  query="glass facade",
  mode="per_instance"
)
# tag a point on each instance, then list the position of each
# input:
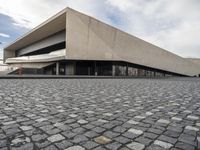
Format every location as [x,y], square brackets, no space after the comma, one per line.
[106,68]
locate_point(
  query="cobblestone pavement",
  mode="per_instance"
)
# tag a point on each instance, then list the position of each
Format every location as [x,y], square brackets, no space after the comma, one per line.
[79,114]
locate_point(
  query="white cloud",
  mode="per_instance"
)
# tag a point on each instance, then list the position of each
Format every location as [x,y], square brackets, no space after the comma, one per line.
[4,35]
[30,13]
[173,25]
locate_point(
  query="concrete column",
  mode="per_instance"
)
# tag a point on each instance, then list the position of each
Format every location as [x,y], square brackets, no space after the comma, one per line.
[127,69]
[113,70]
[95,68]
[57,68]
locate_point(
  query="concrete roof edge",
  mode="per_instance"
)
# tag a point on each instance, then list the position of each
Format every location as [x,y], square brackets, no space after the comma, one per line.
[120,30]
[37,27]
[70,9]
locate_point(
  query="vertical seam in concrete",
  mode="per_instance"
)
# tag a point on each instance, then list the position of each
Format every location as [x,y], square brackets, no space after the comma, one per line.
[88,34]
[66,38]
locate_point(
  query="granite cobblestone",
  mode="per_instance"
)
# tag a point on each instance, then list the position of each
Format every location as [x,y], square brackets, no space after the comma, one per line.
[98,114]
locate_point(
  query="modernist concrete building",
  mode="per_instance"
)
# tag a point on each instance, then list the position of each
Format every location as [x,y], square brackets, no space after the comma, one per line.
[71,43]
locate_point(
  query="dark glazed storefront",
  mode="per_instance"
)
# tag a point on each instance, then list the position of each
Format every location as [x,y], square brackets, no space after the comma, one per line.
[104,68]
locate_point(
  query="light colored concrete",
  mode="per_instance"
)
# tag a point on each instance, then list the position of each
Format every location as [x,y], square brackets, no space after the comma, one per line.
[194,60]
[52,40]
[91,39]
[32,65]
[57,68]
[51,26]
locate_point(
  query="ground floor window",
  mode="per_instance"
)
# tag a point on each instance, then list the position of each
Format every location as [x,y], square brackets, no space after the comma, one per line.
[105,68]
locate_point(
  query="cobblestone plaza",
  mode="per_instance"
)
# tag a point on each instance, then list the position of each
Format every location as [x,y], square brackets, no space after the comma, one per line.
[78,114]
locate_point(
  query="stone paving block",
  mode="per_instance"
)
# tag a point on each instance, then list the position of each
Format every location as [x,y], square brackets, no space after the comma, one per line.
[8,123]
[191,128]
[2,136]
[26,128]
[3,143]
[38,137]
[184,146]
[20,140]
[63,144]
[175,128]
[171,133]
[68,134]
[155,131]
[102,140]
[99,148]
[192,117]
[82,121]
[91,134]
[190,132]
[132,122]
[111,134]
[163,144]
[73,115]
[189,139]
[167,139]
[122,139]
[90,145]
[150,135]
[143,140]
[163,121]
[119,129]
[75,148]
[51,147]
[130,135]
[136,146]
[41,119]
[42,144]
[135,131]
[27,146]
[124,111]
[55,138]
[12,131]
[177,119]
[98,129]
[102,120]
[79,139]
[155,147]
[113,146]
[149,113]
[53,131]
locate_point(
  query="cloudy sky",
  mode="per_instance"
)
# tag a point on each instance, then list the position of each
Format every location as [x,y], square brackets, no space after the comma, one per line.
[173,25]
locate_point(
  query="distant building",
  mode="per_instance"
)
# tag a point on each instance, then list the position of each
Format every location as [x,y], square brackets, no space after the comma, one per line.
[71,43]
[3,66]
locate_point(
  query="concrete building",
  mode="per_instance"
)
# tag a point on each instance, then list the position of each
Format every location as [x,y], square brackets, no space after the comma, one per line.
[71,43]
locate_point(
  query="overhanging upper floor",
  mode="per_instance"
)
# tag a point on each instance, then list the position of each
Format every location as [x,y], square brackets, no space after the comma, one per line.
[86,38]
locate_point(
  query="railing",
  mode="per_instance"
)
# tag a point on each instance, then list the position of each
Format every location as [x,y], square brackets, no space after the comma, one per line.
[6,69]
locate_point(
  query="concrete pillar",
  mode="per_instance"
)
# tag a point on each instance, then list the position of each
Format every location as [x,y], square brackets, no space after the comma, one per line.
[127,69]
[57,68]
[95,68]
[113,70]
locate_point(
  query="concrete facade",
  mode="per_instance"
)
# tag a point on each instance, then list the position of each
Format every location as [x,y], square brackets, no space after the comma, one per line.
[51,40]
[90,39]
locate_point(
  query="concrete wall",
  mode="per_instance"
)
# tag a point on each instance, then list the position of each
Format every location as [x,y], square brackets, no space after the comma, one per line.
[8,54]
[49,27]
[51,40]
[90,39]
[195,60]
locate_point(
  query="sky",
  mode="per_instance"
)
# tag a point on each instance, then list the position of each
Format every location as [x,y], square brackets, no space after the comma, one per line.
[172,25]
